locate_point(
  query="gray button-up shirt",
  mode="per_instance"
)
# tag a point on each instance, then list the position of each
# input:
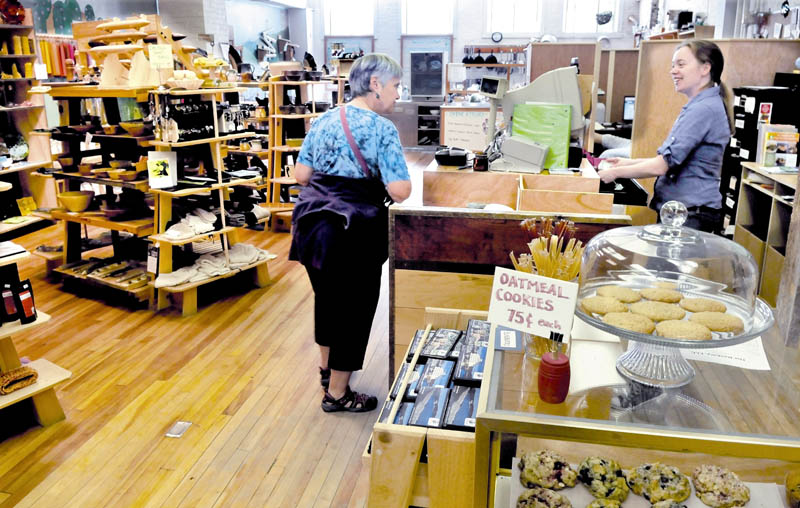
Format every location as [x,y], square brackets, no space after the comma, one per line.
[693,151]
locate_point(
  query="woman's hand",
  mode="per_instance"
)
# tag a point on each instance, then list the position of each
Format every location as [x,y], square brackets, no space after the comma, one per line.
[607,175]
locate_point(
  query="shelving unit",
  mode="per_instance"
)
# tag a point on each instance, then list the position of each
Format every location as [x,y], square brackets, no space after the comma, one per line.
[23,118]
[762,223]
[227,234]
[277,146]
[428,125]
[485,50]
[42,393]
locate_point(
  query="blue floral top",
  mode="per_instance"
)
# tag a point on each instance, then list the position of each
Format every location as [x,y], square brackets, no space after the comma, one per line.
[326,150]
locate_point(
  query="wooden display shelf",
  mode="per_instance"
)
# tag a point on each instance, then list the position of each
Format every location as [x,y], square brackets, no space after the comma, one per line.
[193,285]
[287,148]
[307,115]
[200,91]
[17,56]
[162,238]
[29,166]
[141,293]
[257,153]
[204,141]
[6,26]
[143,141]
[10,260]
[495,65]
[50,375]
[256,119]
[787,180]
[19,108]
[758,187]
[283,83]
[12,80]
[278,207]
[140,185]
[7,228]
[138,227]
[9,329]
[200,190]
[95,91]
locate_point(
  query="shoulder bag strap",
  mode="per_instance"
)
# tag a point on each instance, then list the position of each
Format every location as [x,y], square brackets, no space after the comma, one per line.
[352,142]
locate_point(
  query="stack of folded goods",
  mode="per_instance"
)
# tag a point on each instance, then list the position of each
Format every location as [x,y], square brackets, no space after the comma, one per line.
[213,265]
[196,223]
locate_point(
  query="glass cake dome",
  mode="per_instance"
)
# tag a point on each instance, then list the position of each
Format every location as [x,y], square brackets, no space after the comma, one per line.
[702,278]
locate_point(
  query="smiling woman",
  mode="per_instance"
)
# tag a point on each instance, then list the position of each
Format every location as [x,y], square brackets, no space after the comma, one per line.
[689,162]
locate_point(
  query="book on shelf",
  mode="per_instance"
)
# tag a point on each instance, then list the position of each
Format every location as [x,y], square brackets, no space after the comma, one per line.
[10,249]
[777,148]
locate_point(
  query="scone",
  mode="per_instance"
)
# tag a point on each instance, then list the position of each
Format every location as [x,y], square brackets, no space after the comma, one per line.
[658,311]
[662,295]
[623,294]
[718,321]
[659,482]
[602,305]
[604,503]
[603,478]
[630,321]
[793,488]
[719,488]
[702,305]
[546,469]
[538,497]
[687,330]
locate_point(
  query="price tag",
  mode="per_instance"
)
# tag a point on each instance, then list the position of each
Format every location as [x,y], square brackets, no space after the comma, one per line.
[152,259]
[40,71]
[739,124]
[533,304]
[433,422]
[508,340]
[469,422]
[750,104]
[744,154]
[161,56]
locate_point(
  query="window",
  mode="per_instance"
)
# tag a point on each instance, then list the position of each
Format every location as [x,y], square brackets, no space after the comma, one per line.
[580,16]
[513,16]
[349,17]
[426,17]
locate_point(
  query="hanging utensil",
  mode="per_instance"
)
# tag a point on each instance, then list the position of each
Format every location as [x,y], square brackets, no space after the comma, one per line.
[491,59]
[478,59]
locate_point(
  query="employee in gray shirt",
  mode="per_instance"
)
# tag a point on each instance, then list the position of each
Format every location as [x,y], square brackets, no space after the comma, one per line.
[689,162]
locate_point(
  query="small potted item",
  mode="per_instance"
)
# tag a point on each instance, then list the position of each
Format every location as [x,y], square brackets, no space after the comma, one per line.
[67,164]
[76,201]
[554,373]
[286,109]
[110,129]
[313,75]
[24,302]
[85,168]
[293,75]
[117,164]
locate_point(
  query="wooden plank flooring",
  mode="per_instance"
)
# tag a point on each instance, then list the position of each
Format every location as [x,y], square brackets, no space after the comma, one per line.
[243,371]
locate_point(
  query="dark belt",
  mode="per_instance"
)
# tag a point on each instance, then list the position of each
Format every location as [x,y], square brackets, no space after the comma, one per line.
[702,209]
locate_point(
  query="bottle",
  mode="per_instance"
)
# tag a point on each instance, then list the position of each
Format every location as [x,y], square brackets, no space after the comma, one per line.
[25,303]
[553,380]
[10,312]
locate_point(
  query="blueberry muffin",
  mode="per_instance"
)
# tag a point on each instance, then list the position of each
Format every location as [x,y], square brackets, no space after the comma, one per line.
[604,503]
[603,478]
[538,497]
[659,482]
[793,488]
[669,503]
[546,469]
[719,488]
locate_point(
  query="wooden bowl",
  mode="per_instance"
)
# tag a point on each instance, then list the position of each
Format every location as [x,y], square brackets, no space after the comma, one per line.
[134,129]
[128,175]
[110,129]
[76,201]
[100,172]
[119,164]
[85,169]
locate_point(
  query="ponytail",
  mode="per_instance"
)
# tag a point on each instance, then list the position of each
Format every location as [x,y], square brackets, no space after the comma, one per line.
[727,101]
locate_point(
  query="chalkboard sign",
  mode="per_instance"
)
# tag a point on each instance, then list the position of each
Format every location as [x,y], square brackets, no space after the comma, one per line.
[467,128]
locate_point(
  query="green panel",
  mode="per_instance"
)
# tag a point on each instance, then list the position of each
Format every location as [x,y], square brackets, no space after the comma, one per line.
[548,124]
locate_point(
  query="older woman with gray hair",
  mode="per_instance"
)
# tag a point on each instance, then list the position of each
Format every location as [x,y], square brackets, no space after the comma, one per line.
[351,165]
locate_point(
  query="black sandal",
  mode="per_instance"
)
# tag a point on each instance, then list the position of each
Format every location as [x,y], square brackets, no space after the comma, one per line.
[324,377]
[351,401]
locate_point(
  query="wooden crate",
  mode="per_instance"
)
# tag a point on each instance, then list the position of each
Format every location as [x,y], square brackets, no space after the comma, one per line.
[397,478]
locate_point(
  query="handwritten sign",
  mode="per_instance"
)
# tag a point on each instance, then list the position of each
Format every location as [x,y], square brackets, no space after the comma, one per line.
[467,129]
[532,304]
[161,56]
[748,355]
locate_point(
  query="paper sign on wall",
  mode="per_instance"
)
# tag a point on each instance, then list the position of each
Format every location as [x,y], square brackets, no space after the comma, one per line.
[161,56]
[532,304]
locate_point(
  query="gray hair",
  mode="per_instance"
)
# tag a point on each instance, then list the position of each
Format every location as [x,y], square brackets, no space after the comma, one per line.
[382,66]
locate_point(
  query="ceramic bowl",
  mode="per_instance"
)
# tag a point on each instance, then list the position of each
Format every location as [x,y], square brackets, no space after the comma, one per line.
[76,201]
[110,129]
[119,164]
[134,129]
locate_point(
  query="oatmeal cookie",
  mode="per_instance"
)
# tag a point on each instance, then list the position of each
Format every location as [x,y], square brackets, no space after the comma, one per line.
[659,482]
[623,294]
[546,469]
[602,305]
[719,488]
[603,478]
[719,321]
[702,305]
[538,497]
[687,330]
[662,295]
[658,311]
[630,321]
[666,285]
[604,503]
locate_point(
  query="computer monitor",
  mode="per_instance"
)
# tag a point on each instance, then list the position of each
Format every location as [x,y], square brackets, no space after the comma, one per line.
[628,108]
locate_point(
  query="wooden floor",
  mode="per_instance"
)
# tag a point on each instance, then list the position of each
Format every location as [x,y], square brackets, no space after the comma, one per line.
[243,371]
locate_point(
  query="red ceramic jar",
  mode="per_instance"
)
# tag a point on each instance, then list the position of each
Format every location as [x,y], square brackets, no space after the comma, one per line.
[554,377]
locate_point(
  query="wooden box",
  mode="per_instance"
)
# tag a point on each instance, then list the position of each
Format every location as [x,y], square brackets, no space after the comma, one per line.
[771,275]
[397,477]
